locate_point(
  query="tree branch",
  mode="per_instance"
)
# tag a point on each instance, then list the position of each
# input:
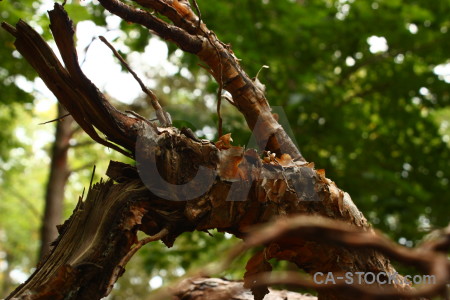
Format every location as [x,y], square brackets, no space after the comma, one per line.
[248,97]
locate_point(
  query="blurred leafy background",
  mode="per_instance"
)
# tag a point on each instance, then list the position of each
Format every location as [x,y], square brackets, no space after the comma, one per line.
[365,86]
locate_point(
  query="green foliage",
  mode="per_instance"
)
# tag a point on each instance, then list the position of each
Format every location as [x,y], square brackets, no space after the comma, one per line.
[21,180]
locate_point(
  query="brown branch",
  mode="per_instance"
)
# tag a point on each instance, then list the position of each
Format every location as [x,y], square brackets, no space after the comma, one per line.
[247,96]
[354,291]
[166,31]
[328,231]
[178,11]
[199,13]
[332,231]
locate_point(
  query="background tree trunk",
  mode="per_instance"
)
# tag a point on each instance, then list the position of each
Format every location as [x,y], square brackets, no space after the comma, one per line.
[59,173]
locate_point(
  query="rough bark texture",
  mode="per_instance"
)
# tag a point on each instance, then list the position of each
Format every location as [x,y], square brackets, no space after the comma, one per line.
[221,289]
[91,244]
[59,173]
[97,240]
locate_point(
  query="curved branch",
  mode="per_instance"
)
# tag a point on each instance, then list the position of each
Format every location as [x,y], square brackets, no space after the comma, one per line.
[247,95]
[166,31]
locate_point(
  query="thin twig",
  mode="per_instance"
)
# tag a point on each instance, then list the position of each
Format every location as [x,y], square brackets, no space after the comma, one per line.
[219,100]
[135,114]
[160,114]
[86,49]
[199,14]
[92,178]
[82,194]
[57,119]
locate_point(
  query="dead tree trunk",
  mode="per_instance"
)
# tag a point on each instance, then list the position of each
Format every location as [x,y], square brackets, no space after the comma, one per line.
[173,165]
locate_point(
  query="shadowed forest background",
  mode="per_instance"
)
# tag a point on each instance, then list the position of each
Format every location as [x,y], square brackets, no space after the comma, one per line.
[364,86]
